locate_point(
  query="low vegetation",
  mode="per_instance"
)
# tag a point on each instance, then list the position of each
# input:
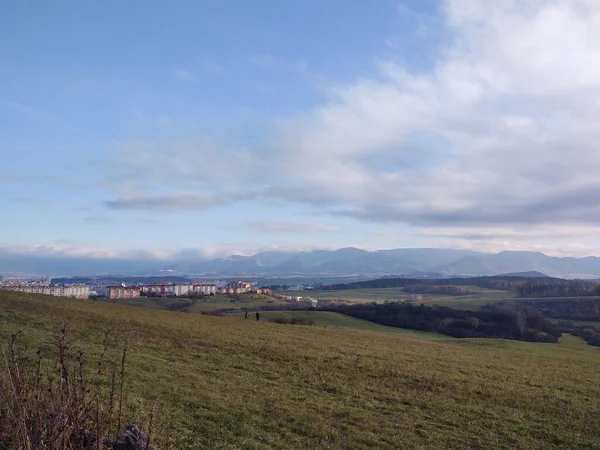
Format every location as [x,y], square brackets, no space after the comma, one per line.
[292,320]
[228,383]
[51,400]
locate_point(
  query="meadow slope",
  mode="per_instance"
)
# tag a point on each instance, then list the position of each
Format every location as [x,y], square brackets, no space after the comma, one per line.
[223,382]
[334,319]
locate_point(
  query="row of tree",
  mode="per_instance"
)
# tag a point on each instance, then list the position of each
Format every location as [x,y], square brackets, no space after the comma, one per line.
[558,288]
[568,308]
[497,282]
[505,321]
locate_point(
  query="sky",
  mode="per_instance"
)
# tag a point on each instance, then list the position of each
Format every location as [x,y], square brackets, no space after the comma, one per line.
[210,127]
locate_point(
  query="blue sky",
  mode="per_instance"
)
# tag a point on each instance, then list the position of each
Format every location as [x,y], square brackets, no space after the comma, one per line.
[233,126]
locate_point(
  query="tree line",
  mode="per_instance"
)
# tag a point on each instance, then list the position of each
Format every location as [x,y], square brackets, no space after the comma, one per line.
[495,282]
[558,288]
[568,309]
[504,321]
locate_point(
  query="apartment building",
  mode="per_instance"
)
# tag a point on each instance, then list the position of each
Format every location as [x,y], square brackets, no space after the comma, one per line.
[115,292]
[204,289]
[79,291]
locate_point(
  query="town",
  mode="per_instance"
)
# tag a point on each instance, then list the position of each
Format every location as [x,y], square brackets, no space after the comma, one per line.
[123,291]
[192,289]
[181,290]
[80,291]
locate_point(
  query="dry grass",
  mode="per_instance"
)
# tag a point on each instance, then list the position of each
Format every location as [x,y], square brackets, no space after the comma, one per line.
[51,400]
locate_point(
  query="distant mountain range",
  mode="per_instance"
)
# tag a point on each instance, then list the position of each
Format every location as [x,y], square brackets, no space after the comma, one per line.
[417,263]
[410,262]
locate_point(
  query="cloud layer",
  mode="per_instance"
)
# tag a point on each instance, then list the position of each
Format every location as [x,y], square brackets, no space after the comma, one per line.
[501,133]
[284,226]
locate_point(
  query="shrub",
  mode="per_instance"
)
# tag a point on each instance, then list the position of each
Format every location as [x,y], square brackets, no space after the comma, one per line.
[292,320]
[48,401]
[212,313]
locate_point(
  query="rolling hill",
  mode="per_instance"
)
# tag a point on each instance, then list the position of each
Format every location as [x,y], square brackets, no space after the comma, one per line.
[230,383]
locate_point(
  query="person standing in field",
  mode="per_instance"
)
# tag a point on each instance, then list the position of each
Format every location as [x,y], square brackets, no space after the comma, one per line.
[257,316]
[246,314]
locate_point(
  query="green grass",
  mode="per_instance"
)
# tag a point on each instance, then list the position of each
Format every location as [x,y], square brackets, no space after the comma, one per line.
[245,301]
[573,341]
[212,303]
[230,383]
[332,319]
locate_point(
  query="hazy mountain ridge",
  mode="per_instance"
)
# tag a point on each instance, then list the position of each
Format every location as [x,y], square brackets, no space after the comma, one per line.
[426,262]
[519,261]
[342,261]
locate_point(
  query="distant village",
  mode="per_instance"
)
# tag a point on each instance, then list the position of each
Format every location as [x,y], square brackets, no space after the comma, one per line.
[80,291]
[181,290]
[159,289]
[122,291]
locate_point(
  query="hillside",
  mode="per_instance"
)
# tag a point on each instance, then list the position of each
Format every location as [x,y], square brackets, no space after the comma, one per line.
[229,383]
[333,319]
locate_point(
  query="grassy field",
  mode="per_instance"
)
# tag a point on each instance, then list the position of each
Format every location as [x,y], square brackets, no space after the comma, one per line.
[213,303]
[479,297]
[353,295]
[572,341]
[229,383]
[332,319]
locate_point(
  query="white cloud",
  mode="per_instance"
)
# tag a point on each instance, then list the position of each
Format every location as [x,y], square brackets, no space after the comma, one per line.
[284,226]
[500,134]
[529,233]
[193,163]
[168,202]
[509,114]
[60,250]
[500,245]
[183,74]
[216,250]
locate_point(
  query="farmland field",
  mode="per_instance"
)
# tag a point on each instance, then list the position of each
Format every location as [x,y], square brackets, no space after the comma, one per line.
[229,383]
[479,297]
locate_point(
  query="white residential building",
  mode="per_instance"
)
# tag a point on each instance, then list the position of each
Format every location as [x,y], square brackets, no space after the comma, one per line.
[205,289]
[80,291]
[182,289]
